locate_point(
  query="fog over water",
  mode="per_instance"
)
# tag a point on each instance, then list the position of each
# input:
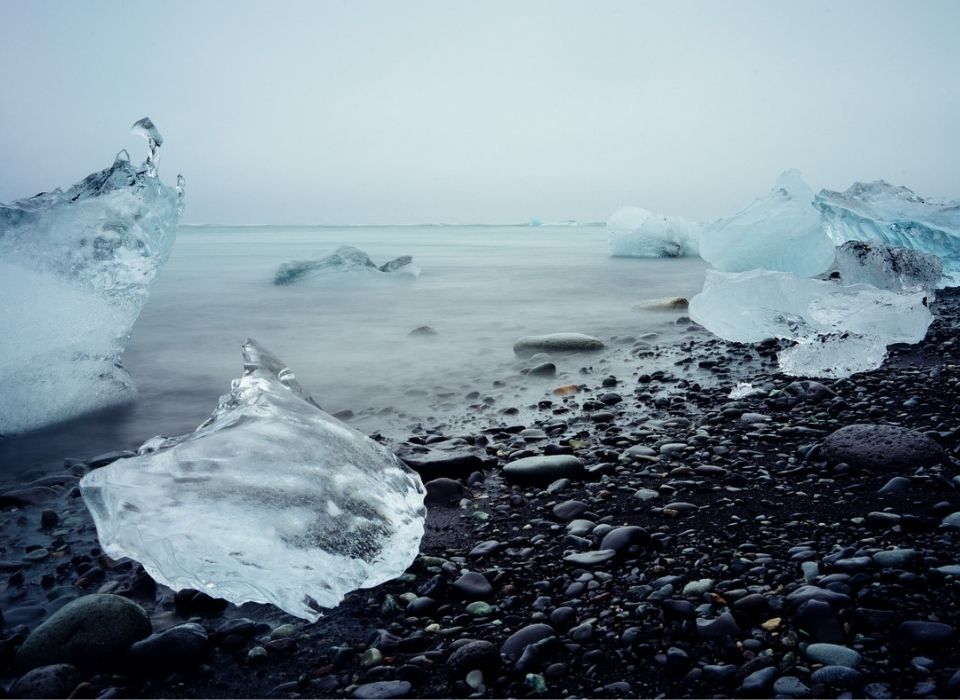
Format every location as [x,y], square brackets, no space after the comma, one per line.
[379,112]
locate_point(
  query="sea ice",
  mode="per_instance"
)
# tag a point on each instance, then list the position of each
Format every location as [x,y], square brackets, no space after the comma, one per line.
[638,233]
[75,271]
[887,267]
[779,232]
[271,500]
[880,212]
[346,258]
[838,329]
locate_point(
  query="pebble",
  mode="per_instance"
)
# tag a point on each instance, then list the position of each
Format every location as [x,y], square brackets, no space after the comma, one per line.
[382,690]
[925,633]
[833,655]
[55,681]
[594,558]
[522,638]
[473,585]
[543,469]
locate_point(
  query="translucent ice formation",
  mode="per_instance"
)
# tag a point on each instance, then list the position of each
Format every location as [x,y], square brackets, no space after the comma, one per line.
[838,329]
[271,500]
[75,270]
[781,232]
[638,233]
[346,258]
[886,267]
[880,212]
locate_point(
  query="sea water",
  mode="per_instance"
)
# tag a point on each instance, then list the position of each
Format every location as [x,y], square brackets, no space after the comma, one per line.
[346,335]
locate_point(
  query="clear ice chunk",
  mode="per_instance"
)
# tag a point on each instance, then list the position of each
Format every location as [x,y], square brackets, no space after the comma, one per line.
[637,233]
[895,216]
[147,130]
[75,271]
[779,232]
[887,267]
[838,329]
[271,500]
[346,258]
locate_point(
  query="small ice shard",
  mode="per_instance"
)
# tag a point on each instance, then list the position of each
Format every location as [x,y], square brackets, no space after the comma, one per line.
[271,500]
[638,233]
[882,213]
[147,130]
[778,232]
[833,325]
[744,389]
[346,258]
[887,267]
[75,271]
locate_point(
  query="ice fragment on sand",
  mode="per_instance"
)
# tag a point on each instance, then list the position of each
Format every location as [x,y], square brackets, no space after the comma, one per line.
[75,271]
[271,500]
[887,267]
[882,213]
[780,232]
[344,259]
[638,233]
[838,329]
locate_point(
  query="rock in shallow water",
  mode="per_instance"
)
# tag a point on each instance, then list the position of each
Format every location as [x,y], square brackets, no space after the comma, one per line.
[542,470]
[556,342]
[271,500]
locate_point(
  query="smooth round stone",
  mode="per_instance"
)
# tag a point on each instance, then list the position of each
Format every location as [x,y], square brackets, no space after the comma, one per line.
[473,585]
[56,681]
[646,494]
[951,522]
[443,491]
[92,633]
[672,448]
[621,538]
[924,633]
[723,625]
[483,549]
[791,687]
[477,654]
[545,369]
[382,690]
[751,418]
[833,655]
[478,608]
[839,676]
[759,682]
[569,510]
[697,588]
[894,558]
[181,647]
[36,555]
[524,637]
[897,484]
[887,447]
[556,342]
[543,469]
[475,679]
[591,558]
[579,528]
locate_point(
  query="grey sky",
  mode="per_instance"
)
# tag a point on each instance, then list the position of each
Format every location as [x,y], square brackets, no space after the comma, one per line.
[360,111]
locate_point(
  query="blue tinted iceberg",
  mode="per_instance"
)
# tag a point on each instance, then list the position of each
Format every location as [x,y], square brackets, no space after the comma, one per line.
[271,500]
[638,233]
[780,232]
[838,330]
[895,216]
[75,271]
[345,259]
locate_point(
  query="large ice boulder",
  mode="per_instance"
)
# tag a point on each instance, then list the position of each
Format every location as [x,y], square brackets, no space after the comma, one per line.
[779,232]
[270,500]
[345,259]
[638,233]
[888,267]
[75,271]
[839,330]
[880,212]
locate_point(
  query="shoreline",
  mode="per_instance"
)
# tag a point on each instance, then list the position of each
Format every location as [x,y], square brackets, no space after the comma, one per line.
[743,506]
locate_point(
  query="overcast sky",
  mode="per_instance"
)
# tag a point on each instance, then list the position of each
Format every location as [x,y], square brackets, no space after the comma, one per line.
[377,112]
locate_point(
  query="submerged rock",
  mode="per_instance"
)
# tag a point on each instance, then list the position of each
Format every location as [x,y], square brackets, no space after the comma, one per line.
[556,342]
[271,500]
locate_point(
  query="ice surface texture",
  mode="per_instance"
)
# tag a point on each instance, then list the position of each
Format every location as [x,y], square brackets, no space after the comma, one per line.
[344,259]
[271,500]
[638,233]
[887,267]
[75,271]
[880,212]
[780,232]
[839,329]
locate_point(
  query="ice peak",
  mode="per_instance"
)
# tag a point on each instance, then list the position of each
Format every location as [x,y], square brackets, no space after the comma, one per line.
[145,128]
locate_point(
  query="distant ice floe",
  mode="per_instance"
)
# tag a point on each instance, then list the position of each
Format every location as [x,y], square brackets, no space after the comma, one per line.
[345,259]
[271,500]
[895,216]
[638,233]
[75,271]
[780,231]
